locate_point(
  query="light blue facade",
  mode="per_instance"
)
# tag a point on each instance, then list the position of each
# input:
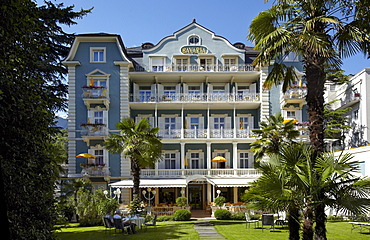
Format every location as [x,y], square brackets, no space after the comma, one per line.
[201,91]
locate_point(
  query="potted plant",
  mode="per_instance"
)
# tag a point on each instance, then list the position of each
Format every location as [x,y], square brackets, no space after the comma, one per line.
[136,206]
[181,201]
[219,201]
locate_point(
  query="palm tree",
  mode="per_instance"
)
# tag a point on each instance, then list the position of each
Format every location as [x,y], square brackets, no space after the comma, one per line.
[138,142]
[322,32]
[273,133]
[280,187]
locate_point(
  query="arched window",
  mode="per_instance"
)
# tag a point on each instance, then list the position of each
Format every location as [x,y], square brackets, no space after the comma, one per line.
[194,40]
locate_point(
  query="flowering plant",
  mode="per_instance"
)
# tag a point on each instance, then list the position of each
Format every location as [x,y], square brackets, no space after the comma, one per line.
[302,124]
[93,124]
[93,87]
[86,165]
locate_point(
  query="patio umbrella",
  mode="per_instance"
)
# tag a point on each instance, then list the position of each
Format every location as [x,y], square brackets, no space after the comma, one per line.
[85,155]
[218,159]
[290,119]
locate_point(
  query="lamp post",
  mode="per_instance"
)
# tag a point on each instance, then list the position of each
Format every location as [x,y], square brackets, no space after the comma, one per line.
[218,192]
[151,194]
[117,194]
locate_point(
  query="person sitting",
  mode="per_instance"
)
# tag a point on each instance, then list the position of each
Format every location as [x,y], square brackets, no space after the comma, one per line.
[126,221]
[110,217]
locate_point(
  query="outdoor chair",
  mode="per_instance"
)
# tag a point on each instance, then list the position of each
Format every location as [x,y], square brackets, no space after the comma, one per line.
[248,221]
[153,223]
[107,224]
[119,225]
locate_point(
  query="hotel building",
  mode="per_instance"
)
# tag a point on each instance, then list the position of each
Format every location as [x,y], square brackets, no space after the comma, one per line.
[198,88]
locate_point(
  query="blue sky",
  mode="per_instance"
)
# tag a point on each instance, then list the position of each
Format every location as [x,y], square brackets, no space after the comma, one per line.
[139,21]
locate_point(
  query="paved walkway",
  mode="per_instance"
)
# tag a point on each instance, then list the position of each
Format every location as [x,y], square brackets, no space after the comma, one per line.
[206,230]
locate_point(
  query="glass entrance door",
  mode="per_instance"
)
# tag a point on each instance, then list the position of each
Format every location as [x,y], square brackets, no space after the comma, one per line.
[195,196]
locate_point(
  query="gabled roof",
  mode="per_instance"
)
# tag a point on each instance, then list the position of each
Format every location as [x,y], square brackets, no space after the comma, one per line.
[97,37]
[194,23]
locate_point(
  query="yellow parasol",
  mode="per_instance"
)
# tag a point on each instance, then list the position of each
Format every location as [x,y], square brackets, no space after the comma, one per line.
[290,120]
[218,159]
[85,155]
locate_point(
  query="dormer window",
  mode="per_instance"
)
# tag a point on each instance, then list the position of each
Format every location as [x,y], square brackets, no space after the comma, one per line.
[97,54]
[194,40]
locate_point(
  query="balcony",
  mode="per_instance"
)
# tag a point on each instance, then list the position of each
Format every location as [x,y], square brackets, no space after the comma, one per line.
[203,133]
[91,131]
[95,95]
[200,68]
[295,95]
[94,170]
[246,172]
[201,97]
[349,100]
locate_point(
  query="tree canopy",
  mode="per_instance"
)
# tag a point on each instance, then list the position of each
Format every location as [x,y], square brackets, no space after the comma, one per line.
[31,90]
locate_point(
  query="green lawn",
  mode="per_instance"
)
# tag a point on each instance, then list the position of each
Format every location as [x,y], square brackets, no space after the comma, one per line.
[232,230]
[236,230]
[164,230]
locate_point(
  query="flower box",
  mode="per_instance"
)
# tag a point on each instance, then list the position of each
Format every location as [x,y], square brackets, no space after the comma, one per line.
[93,87]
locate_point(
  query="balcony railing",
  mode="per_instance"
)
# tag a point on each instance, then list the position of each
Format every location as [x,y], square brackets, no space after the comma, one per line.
[203,133]
[94,92]
[248,172]
[199,68]
[90,130]
[201,97]
[295,93]
[95,171]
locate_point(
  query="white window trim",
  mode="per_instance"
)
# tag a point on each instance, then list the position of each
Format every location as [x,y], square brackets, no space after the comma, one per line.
[94,49]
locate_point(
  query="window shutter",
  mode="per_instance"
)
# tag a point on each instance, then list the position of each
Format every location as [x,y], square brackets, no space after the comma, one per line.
[178,88]
[105,117]
[186,88]
[161,123]
[251,122]
[227,163]
[227,88]
[201,122]
[250,160]
[92,152]
[136,92]
[252,88]
[227,122]
[237,123]
[160,90]
[213,164]
[201,88]
[90,116]
[178,160]
[161,163]
[178,122]
[153,90]
[137,119]
[201,160]
[157,61]
[151,121]
[187,156]
[210,88]
[187,123]
[211,123]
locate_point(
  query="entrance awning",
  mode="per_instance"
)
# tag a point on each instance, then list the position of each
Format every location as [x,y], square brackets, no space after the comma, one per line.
[230,182]
[152,183]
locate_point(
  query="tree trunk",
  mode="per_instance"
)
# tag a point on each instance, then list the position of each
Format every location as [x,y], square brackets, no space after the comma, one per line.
[320,228]
[308,224]
[293,223]
[135,170]
[315,76]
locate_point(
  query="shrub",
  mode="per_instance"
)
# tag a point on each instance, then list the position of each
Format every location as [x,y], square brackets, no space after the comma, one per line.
[255,217]
[182,215]
[219,201]
[334,218]
[238,216]
[222,214]
[165,218]
[181,201]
